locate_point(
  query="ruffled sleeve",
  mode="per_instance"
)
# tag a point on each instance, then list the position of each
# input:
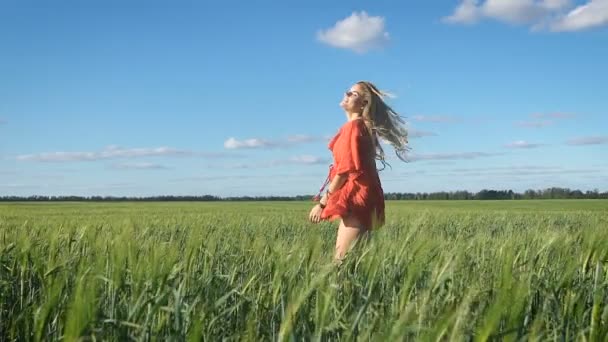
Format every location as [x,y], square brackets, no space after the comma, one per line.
[350,149]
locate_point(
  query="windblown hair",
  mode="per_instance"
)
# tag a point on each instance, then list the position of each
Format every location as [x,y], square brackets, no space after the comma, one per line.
[382,121]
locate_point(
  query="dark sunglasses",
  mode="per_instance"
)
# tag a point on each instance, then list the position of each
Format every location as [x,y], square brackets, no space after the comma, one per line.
[351,93]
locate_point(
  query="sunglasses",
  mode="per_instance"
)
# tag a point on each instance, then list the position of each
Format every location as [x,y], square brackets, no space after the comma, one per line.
[351,93]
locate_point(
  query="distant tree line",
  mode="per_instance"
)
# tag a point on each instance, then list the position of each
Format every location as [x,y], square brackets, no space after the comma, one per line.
[549,193]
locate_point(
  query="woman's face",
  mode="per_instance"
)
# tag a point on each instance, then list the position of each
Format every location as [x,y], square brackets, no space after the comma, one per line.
[353,101]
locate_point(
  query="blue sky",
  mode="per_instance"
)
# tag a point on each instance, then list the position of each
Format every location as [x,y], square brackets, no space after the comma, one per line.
[144,98]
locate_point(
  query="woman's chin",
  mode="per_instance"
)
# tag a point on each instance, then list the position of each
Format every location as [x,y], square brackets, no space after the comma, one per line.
[345,106]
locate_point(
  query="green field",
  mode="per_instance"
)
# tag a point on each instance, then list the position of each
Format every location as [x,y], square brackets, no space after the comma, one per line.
[438,270]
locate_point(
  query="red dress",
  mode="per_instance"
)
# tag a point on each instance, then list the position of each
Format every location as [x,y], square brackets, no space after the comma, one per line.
[362,194]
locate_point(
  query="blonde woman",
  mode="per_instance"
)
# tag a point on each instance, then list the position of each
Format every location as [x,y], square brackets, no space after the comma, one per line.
[354,193]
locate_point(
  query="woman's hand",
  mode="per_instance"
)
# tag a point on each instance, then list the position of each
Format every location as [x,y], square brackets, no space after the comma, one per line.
[315,214]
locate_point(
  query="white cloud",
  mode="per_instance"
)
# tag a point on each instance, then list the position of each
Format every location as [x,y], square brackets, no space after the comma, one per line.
[466,13]
[359,32]
[591,140]
[522,144]
[516,11]
[110,152]
[556,4]
[555,15]
[232,143]
[592,14]
[139,166]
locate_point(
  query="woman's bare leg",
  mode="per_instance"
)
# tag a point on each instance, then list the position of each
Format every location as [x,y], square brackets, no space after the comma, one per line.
[349,231]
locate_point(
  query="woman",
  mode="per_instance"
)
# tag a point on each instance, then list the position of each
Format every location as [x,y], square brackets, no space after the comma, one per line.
[355,194]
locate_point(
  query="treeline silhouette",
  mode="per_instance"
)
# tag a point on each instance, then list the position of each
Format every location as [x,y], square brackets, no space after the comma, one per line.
[549,193]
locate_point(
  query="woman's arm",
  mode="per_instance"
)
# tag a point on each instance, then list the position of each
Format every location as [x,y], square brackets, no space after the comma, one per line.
[335,184]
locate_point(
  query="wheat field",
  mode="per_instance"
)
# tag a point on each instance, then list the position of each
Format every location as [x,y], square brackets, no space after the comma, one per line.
[438,271]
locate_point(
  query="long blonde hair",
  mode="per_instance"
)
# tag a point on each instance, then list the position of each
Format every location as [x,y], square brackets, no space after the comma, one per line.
[382,121]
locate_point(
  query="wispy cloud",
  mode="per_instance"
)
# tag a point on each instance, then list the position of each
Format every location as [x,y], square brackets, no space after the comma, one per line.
[308,160]
[217,155]
[592,14]
[508,168]
[534,123]
[214,178]
[413,133]
[554,15]
[358,32]
[540,120]
[3,122]
[232,143]
[19,185]
[435,118]
[139,166]
[302,138]
[110,152]
[467,12]
[261,143]
[452,156]
[522,144]
[109,186]
[295,160]
[509,11]
[117,152]
[528,172]
[518,172]
[263,176]
[553,116]
[507,171]
[591,140]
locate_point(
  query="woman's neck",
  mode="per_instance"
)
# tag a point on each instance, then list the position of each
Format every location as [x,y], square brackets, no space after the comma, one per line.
[353,116]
